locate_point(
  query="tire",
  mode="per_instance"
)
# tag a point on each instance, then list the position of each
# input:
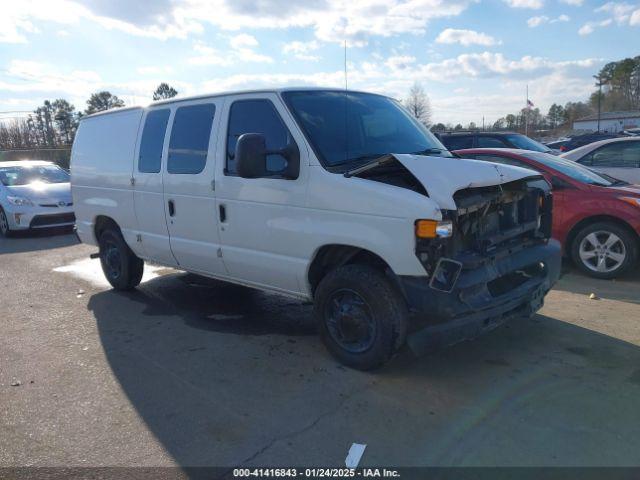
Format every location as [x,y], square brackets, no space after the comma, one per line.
[604,250]
[362,317]
[5,231]
[122,268]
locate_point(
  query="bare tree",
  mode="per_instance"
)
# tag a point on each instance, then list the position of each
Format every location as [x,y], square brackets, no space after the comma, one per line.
[418,104]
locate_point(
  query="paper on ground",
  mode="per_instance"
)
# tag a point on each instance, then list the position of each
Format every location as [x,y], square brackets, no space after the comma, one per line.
[354,455]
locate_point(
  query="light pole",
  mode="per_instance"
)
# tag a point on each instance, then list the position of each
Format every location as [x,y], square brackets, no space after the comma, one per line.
[599,85]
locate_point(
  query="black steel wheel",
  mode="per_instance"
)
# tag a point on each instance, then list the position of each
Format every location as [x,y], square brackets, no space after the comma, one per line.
[122,268]
[362,317]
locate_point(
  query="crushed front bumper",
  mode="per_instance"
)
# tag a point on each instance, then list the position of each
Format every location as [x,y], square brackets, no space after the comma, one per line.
[485,295]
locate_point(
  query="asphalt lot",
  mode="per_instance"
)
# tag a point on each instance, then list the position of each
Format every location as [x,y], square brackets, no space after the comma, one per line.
[187,371]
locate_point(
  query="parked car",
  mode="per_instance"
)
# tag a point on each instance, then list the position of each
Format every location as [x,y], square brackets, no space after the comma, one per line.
[458,141]
[585,139]
[617,157]
[369,218]
[595,217]
[558,146]
[34,194]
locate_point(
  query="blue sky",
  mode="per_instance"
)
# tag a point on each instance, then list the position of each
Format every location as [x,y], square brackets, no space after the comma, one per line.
[473,58]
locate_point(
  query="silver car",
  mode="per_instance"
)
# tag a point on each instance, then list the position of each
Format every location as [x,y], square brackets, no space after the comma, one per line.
[34,194]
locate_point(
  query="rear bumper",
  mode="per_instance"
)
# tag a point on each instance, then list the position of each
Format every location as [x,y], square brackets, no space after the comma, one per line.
[483,297]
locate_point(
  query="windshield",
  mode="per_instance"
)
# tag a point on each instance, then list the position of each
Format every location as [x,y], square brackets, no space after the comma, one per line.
[572,169]
[15,176]
[525,143]
[351,128]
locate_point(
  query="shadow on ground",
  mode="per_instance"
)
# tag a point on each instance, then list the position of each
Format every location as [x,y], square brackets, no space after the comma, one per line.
[34,240]
[626,288]
[225,375]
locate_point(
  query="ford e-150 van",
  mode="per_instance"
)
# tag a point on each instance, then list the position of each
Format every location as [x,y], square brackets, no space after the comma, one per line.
[339,197]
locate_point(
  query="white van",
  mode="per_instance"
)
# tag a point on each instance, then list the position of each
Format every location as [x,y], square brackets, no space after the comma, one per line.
[337,197]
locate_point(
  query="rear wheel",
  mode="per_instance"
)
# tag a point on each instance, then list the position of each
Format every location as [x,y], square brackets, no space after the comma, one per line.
[122,268]
[604,250]
[5,231]
[362,317]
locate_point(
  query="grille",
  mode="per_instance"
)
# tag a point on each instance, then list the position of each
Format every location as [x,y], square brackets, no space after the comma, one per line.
[49,220]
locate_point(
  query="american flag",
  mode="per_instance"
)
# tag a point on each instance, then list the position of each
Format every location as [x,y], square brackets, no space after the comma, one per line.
[529,103]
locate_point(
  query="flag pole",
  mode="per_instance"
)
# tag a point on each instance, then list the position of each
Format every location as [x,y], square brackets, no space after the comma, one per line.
[526,113]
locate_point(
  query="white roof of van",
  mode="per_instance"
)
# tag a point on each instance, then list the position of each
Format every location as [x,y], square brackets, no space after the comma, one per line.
[221,94]
[25,163]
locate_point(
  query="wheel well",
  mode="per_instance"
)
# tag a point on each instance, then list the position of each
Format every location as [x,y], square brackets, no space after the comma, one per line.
[330,257]
[597,218]
[103,223]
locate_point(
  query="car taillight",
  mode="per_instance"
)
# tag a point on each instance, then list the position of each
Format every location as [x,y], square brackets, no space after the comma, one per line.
[563,148]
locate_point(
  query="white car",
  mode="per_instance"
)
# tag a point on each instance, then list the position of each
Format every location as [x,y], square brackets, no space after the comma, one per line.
[617,157]
[337,197]
[34,194]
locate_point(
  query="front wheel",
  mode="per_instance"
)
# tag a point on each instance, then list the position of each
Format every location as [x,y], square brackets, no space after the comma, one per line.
[362,317]
[122,268]
[5,231]
[604,250]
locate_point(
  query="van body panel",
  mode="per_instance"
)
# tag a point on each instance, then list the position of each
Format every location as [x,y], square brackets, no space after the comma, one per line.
[150,205]
[101,164]
[259,235]
[193,227]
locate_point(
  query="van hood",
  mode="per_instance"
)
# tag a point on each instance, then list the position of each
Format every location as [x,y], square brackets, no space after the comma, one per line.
[43,193]
[443,177]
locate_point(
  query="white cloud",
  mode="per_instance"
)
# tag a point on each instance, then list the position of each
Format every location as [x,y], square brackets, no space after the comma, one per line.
[532,4]
[634,20]
[332,20]
[575,3]
[302,50]
[207,55]
[154,70]
[243,41]
[539,20]
[400,62]
[589,27]
[619,11]
[465,37]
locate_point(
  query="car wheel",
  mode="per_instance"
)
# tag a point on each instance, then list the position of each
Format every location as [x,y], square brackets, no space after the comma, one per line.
[122,268]
[362,317]
[604,250]
[5,231]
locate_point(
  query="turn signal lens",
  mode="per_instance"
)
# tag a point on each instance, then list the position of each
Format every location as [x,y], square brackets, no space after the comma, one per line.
[632,200]
[433,229]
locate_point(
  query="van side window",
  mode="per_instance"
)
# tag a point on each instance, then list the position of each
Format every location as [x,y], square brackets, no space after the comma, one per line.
[257,116]
[190,138]
[152,141]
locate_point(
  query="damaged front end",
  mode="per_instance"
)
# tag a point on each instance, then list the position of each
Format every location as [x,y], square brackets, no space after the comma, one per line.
[498,263]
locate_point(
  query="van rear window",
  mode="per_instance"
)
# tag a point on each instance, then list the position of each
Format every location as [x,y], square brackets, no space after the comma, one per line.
[155,126]
[190,138]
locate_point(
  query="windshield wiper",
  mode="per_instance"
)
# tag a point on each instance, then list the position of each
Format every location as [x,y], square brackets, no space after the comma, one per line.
[378,160]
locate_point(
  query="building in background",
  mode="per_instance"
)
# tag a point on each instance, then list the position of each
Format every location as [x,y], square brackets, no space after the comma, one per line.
[610,122]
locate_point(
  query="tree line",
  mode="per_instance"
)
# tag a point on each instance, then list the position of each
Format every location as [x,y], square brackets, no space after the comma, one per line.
[54,123]
[620,92]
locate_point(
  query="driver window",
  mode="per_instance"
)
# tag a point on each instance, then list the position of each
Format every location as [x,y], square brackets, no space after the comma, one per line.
[257,116]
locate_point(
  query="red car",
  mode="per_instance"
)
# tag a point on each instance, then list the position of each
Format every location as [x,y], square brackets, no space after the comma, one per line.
[596,218]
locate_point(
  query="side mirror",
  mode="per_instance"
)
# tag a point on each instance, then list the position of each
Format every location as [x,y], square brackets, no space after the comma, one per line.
[251,158]
[559,184]
[251,155]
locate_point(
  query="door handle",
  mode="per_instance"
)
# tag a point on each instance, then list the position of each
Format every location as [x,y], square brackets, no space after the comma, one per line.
[172,208]
[222,209]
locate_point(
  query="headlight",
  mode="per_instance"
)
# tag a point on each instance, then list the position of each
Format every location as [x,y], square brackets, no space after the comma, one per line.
[19,201]
[433,229]
[632,200]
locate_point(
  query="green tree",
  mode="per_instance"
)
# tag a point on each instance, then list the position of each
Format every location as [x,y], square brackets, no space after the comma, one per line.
[499,124]
[555,115]
[66,120]
[438,127]
[511,121]
[164,91]
[101,101]
[43,121]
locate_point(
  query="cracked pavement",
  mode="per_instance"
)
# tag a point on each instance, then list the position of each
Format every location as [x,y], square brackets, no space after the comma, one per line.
[192,372]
